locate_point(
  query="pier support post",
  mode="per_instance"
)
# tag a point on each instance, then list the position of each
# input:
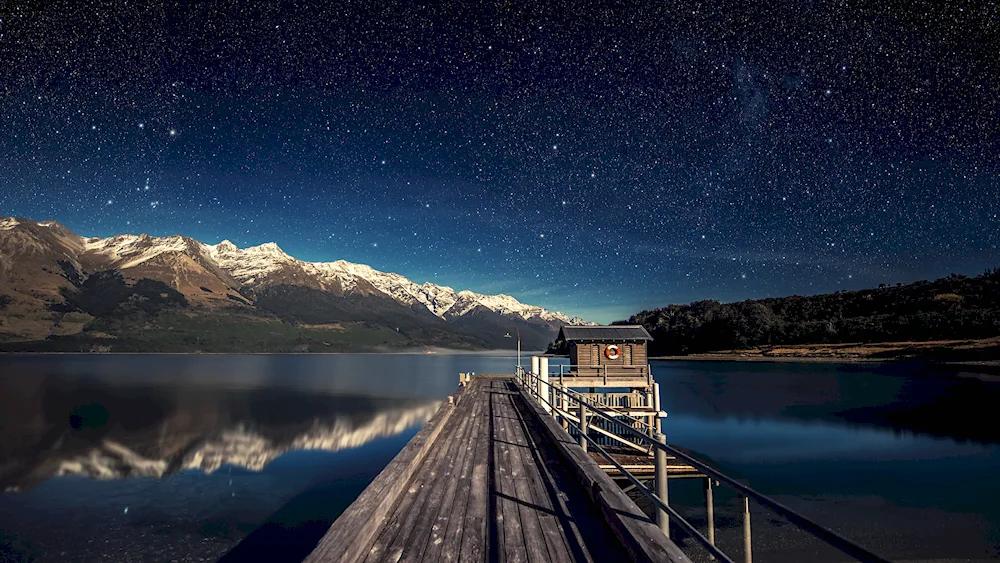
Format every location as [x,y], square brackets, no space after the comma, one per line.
[582,414]
[543,383]
[747,552]
[660,457]
[710,512]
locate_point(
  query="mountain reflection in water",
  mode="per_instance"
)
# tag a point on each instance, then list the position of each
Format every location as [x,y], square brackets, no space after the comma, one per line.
[55,425]
[184,457]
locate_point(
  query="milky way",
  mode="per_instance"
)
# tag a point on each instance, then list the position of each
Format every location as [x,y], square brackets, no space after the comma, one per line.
[596,158]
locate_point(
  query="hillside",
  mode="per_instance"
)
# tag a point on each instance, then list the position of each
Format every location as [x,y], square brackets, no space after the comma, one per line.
[60,291]
[952,308]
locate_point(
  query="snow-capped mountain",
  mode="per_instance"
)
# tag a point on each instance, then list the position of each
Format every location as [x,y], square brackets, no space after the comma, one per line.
[268,264]
[48,272]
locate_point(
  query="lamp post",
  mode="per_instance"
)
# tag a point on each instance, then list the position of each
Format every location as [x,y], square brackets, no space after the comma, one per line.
[518,332]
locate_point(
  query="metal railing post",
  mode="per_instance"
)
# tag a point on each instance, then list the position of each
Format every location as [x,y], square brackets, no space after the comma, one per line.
[582,414]
[747,552]
[662,520]
[710,511]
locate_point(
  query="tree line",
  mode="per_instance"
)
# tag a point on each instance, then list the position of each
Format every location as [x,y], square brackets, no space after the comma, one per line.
[954,307]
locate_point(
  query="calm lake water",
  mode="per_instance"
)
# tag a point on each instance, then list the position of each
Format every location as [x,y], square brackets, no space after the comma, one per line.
[191,458]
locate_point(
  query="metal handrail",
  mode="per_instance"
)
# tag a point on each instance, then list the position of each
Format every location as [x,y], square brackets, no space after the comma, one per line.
[830,537]
[715,551]
[566,369]
[615,409]
[642,488]
[591,366]
[642,437]
[597,411]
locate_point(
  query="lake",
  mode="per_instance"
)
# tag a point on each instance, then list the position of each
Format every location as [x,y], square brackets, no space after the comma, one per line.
[193,458]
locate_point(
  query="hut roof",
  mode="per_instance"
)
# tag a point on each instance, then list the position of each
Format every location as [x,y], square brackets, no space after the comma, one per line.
[616,333]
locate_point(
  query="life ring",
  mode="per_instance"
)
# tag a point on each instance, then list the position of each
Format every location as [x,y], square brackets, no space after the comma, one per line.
[612,352]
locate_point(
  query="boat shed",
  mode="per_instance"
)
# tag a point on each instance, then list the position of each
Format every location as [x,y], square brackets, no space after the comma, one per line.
[614,350]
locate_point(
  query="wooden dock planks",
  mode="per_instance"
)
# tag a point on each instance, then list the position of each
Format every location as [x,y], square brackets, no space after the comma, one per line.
[485,483]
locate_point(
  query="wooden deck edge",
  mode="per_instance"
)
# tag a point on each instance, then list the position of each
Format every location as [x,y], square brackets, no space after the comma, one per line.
[639,535]
[353,533]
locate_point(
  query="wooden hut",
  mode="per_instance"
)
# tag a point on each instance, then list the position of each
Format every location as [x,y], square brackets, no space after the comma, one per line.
[615,355]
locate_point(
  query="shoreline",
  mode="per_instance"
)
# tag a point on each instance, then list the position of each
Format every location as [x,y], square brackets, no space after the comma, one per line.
[776,359]
[981,352]
[982,370]
[412,352]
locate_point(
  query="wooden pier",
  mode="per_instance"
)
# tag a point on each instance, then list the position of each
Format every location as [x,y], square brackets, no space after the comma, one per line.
[539,466]
[493,477]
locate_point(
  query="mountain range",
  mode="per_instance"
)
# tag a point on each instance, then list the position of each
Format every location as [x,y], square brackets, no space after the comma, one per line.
[60,291]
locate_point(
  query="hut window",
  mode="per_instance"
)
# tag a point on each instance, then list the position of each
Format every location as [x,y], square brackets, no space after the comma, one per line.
[627,353]
[595,355]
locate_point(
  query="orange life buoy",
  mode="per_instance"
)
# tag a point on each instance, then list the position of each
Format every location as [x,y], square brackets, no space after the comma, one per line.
[612,352]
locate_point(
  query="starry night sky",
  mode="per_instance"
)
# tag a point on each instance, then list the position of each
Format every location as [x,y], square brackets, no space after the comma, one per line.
[597,158]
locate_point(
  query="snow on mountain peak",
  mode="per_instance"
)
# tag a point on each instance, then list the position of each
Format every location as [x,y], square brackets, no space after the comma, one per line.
[505,305]
[269,248]
[131,250]
[252,264]
[268,263]
[441,300]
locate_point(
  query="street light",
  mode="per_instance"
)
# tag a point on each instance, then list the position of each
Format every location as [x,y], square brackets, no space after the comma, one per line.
[518,345]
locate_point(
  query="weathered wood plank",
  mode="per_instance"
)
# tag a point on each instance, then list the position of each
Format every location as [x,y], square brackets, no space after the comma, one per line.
[527,504]
[512,548]
[386,546]
[439,509]
[409,539]
[350,536]
[442,478]
[475,544]
[546,497]
[452,517]
[403,513]
[571,535]
[588,474]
